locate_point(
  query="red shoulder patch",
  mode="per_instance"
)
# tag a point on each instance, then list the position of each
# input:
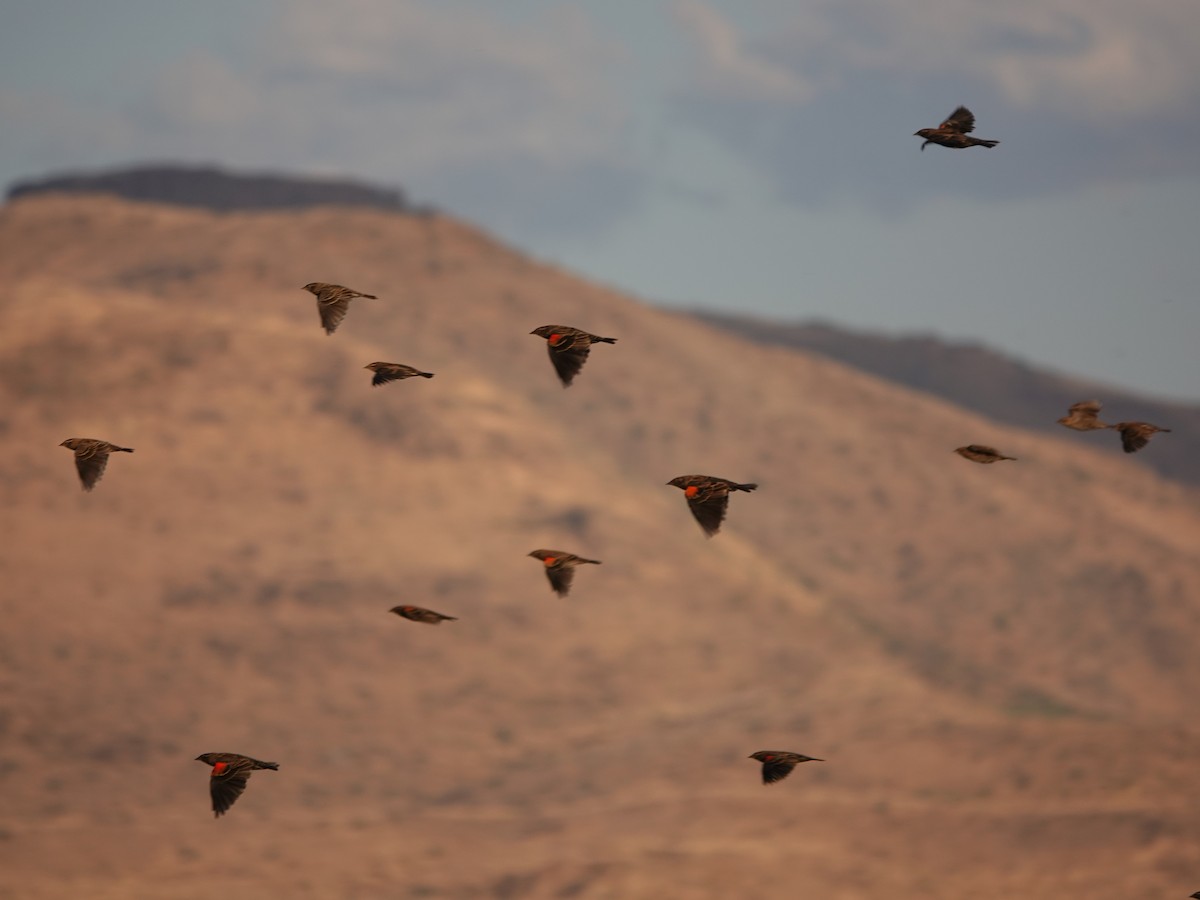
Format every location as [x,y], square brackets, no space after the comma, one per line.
[691,491]
[554,338]
[220,767]
[550,560]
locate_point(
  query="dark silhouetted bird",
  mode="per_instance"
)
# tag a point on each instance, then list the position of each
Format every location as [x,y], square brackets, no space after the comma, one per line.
[1136,435]
[981,454]
[228,777]
[1083,416]
[778,764]
[385,372]
[1194,896]
[708,498]
[953,132]
[560,568]
[420,614]
[333,301]
[568,348]
[91,458]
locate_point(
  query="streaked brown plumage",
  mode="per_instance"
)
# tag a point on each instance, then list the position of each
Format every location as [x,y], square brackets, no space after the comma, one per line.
[420,614]
[385,372]
[91,458]
[981,454]
[568,348]
[333,301]
[708,498]
[228,777]
[1083,416]
[560,568]
[1136,435]
[778,764]
[953,132]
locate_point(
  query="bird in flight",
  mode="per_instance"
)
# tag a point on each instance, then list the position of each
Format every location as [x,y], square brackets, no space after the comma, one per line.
[333,301]
[568,348]
[708,498]
[385,372]
[778,764]
[560,568]
[420,614]
[1083,416]
[227,780]
[954,132]
[1136,435]
[91,458]
[981,454]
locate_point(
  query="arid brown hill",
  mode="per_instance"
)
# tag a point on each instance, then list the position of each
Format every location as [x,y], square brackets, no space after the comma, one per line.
[986,382]
[997,663]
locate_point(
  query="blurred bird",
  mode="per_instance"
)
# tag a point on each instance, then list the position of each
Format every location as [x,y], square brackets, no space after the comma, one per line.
[778,764]
[1193,896]
[708,498]
[568,348]
[333,301]
[228,777]
[981,454]
[560,568]
[1082,416]
[1136,435]
[385,372]
[953,132]
[91,458]
[420,614]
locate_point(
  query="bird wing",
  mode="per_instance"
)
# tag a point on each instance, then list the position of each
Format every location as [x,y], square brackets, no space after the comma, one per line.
[91,464]
[332,310]
[1087,409]
[560,579]
[709,508]
[226,788]
[568,357]
[777,770]
[962,120]
[1134,437]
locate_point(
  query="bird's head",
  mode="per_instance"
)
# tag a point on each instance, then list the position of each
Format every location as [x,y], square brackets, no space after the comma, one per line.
[311,287]
[923,133]
[543,331]
[206,758]
[678,482]
[69,443]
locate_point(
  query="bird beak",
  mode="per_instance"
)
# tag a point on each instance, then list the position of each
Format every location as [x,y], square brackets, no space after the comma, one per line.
[534,331]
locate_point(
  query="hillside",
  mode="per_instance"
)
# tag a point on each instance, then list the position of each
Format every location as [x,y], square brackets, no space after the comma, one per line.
[987,382]
[994,661]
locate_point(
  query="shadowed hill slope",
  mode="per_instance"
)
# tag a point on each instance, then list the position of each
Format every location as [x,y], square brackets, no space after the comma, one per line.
[988,383]
[957,640]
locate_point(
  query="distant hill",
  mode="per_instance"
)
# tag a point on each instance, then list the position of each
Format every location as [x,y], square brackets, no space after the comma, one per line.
[989,383]
[997,662]
[212,188]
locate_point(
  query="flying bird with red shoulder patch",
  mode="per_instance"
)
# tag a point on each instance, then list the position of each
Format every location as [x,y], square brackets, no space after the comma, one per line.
[91,458]
[708,498]
[778,764]
[560,568]
[227,780]
[386,371]
[568,348]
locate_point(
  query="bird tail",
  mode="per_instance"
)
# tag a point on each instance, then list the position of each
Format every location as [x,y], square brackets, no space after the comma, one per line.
[123,449]
[267,765]
[601,340]
[594,562]
[744,487]
[980,142]
[368,296]
[425,374]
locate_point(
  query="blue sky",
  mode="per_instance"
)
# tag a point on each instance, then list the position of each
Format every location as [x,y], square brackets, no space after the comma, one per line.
[749,155]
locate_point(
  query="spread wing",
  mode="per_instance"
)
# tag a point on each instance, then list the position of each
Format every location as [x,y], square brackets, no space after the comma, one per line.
[1135,437]
[91,465]
[332,309]
[226,788]
[776,771]
[560,579]
[1086,409]
[568,357]
[709,509]
[962,120]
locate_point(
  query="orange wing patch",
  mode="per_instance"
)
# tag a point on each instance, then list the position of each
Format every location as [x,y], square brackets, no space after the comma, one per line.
[550,560]
[691,491]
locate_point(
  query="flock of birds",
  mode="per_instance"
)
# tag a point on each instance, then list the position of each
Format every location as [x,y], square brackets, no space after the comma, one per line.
[707,496]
